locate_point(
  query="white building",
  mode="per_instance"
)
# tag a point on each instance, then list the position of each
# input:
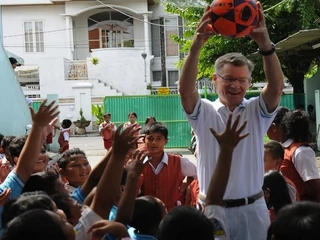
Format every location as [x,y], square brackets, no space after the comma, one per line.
[60,37]
[58,40]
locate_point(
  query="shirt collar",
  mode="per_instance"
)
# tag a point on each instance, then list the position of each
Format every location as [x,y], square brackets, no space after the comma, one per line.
[288,143]
[218,104]
[165,159]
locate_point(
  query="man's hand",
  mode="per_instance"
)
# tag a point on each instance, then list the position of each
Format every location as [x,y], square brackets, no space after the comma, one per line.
[45,114]
[260,34]
[230,138]
[204,31]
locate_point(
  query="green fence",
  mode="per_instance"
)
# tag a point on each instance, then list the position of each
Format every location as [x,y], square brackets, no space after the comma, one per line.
[166,109]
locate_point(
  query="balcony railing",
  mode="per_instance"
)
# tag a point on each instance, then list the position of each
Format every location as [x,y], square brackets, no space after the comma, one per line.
[76,70]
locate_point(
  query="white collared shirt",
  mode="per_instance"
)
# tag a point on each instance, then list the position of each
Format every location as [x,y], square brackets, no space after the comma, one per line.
[66,135]
[187,167]
[304,160]
[247,168]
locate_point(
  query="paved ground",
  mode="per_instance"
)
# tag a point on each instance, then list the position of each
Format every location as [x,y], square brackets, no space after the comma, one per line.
[93,146]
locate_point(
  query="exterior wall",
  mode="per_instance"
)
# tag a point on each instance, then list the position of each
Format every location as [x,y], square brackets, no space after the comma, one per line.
[123,70]
[52,74]
[54,42]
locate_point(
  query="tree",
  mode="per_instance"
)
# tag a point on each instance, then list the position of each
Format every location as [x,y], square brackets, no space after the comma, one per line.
[284,17]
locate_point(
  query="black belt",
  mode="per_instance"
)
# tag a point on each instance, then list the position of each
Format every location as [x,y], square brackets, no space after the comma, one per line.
[230,203]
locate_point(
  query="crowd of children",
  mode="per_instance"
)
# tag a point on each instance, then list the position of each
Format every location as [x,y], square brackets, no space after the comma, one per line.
[142,192]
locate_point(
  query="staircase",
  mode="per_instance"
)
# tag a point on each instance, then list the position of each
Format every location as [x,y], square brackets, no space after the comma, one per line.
[101,88]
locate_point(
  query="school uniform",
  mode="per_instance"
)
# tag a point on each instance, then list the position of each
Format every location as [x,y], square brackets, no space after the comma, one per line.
[164,181]
[107,134]
[299,166]
[64,136]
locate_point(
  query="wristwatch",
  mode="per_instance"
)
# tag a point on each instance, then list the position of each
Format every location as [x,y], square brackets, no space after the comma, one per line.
[268,53]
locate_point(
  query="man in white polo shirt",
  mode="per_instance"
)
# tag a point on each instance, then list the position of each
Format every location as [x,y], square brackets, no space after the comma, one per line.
[246,212]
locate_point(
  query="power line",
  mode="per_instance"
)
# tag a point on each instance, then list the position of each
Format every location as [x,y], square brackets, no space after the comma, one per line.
[128,15]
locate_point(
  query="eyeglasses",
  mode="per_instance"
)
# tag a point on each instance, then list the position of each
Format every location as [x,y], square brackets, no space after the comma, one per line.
[229,79]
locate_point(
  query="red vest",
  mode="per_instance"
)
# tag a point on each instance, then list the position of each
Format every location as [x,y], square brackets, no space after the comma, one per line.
[61,137]
[289,171]
[108,133]
[165,185]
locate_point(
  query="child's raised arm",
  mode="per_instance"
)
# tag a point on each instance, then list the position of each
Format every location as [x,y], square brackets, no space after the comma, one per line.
[126,205]
[109,183]
[30,152]
[227,140]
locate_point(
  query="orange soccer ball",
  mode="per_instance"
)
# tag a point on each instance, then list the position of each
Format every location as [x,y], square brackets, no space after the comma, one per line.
[234,18]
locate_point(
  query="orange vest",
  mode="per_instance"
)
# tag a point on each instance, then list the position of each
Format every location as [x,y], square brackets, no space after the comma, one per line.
[108,133]
[165,185]
[289,171]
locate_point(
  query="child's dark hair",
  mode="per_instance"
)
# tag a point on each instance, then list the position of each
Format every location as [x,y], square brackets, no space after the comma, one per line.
[66,157]
[298,221]
[147,215]
[35,224]
[61,200]
[6,140]
[296,126]
[25,202]
[157,128]
[280,114]
[149,118]
[132,113]
[16,146]
[107,115]
[66,123]
[187,223]
[43,181]
[279,193]
[275,149]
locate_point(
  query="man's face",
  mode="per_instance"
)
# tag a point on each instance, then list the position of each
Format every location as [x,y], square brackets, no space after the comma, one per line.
[232,82]
[106,118]
[155,142]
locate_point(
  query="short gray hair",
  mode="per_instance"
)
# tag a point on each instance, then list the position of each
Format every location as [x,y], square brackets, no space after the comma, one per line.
[235,59]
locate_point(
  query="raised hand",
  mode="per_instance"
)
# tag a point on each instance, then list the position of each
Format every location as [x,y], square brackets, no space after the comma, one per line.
[231,136]
[260,33]
[136,164]
[125,140]
[45,114]
[204,30]
[103,227]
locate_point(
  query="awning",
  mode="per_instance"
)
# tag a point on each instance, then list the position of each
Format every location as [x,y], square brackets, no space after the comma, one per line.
[305,40]
[19,59]
[298,39]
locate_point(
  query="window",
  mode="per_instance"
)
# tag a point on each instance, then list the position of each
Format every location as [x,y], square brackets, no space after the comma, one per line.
[155,38]
[156,76]
[171,28]
[173,77]
[33,36]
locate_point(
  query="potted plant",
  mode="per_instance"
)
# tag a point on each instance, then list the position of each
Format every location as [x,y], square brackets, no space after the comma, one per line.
[98,112]
[81,124]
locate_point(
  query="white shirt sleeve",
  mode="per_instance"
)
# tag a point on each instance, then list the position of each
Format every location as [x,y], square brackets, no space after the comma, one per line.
[188,168]
[100,128]
[201,113]
[304,160]
[216,214]
[88,218]
[66,136]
